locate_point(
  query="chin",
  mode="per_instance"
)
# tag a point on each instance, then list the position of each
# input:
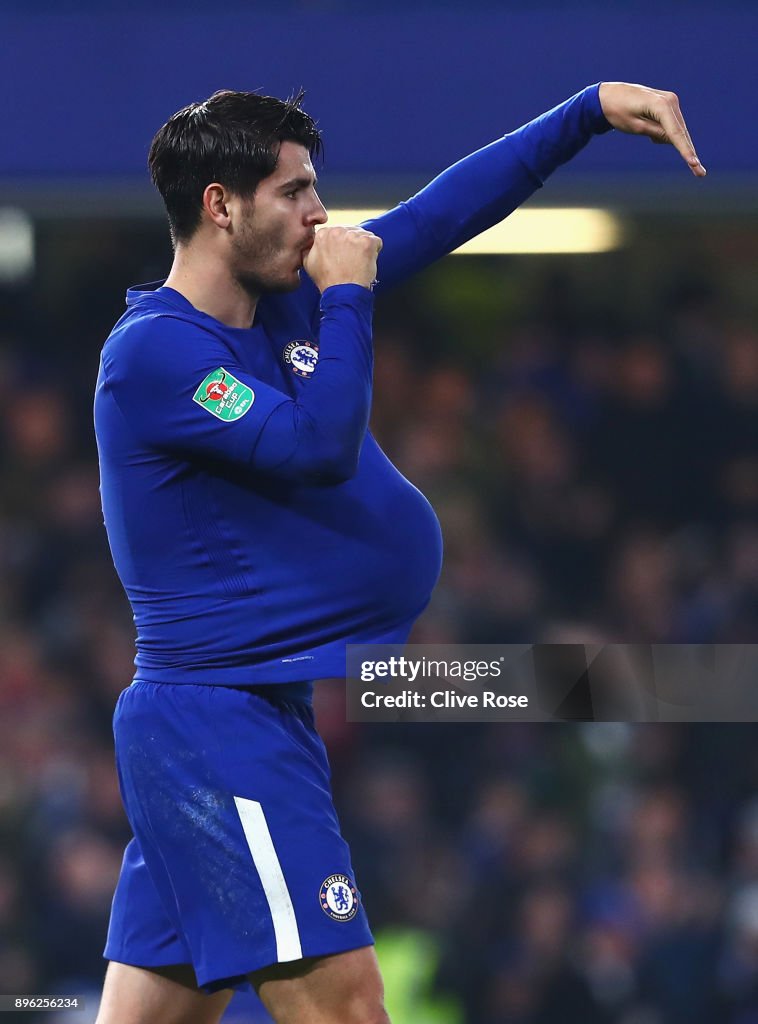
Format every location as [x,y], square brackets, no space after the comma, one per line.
[256,286]
[289,285]
[283,282]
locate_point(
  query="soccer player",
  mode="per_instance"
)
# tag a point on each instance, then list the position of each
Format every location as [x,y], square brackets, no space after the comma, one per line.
[257,528]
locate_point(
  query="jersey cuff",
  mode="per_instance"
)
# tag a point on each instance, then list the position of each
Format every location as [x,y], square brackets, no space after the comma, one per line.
[599,123]
[354,295]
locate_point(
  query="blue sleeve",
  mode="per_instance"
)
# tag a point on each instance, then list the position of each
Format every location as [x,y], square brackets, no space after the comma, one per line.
[483,188]
[181,391]
[320,435]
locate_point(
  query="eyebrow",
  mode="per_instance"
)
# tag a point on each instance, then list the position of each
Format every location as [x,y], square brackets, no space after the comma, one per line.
[299,183]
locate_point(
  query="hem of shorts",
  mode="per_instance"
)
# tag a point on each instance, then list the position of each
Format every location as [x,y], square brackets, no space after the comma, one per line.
[147,963]
[211,981]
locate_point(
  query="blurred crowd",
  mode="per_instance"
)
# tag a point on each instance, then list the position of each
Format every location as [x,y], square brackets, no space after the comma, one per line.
[594,484]
[589,485]
[590,873]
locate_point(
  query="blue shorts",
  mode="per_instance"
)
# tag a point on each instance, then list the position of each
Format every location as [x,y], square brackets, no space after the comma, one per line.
[237,861]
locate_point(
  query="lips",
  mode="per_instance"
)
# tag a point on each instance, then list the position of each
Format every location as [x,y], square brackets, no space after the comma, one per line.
[304,249]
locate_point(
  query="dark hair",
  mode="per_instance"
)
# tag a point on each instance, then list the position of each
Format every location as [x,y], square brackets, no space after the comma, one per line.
[232,138]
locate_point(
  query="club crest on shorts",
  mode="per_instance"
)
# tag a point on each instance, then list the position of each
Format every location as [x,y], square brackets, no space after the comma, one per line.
[339,898]
[301,357]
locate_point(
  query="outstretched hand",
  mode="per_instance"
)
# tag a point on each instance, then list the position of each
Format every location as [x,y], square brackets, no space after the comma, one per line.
[637,110]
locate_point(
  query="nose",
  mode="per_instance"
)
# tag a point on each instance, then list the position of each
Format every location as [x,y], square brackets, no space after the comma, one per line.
[319,214]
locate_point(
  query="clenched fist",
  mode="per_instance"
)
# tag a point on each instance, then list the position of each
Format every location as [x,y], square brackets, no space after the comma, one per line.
[343,256]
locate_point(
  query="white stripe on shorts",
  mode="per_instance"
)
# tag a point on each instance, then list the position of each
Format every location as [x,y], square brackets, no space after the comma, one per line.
[270,872]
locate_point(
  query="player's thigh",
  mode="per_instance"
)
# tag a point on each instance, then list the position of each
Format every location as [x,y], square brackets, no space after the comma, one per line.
[344,988]
[139,995]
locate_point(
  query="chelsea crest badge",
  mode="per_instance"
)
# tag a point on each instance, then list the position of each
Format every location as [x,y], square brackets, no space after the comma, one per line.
[339,898]
[301,357]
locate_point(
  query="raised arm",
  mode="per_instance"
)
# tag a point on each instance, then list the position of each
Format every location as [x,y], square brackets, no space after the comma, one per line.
[483,188]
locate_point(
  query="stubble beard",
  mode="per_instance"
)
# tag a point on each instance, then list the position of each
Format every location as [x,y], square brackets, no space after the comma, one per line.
[255,253]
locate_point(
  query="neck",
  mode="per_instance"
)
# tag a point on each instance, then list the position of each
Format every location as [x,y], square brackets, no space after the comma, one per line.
[205,281]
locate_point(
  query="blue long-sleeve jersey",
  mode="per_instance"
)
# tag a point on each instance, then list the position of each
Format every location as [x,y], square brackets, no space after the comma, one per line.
[254,522]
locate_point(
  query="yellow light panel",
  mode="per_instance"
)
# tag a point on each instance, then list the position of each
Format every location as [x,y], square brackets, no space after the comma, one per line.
[558,230]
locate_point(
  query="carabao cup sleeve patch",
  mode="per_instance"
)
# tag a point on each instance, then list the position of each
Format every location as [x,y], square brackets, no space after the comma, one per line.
[223,396]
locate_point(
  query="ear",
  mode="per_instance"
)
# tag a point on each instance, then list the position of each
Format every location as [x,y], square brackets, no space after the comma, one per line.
[215,199]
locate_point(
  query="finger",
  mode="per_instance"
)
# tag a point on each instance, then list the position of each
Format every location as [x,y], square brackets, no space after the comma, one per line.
[672,122]
[682,129]
[695,165]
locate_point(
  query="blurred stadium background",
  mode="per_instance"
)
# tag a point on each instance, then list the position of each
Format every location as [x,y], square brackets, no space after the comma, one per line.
[586,425]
